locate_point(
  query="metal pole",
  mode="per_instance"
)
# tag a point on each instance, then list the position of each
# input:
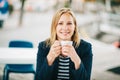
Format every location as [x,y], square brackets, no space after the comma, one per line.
[21,12]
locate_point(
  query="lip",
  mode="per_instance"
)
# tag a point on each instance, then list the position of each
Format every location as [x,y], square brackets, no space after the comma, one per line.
[65,33]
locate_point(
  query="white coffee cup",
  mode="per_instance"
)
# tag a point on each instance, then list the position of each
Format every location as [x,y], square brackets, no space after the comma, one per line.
[66,43]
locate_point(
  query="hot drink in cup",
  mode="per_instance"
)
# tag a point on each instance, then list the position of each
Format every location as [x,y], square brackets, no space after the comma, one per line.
[66,43]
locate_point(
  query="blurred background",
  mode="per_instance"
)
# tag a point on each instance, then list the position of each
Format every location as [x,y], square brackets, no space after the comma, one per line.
[98,22]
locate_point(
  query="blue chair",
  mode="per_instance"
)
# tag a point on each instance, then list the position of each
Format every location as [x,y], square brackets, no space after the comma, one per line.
[18,68]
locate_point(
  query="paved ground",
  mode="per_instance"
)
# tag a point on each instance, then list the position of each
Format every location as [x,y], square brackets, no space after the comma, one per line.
[36,27]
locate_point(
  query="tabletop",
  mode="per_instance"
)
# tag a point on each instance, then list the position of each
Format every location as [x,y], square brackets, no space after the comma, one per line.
[18,55]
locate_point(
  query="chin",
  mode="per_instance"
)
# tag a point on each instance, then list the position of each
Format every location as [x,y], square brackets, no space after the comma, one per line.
[65,39]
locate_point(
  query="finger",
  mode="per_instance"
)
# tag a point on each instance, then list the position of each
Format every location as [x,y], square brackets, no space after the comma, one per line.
[67,46]
[56,43]
[64,54]
[56,50]
[65,49]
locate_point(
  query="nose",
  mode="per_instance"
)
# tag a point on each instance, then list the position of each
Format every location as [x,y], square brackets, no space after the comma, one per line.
[65,27]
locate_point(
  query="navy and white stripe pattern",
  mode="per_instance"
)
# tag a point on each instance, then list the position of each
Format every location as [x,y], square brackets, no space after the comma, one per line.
[63,68]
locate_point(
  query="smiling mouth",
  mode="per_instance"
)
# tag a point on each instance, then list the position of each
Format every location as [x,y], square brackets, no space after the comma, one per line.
[65,33]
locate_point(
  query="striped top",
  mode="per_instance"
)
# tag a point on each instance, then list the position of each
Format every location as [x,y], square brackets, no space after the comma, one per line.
[63,68]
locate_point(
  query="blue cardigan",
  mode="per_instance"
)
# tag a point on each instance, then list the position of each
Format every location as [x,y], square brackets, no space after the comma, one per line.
[46,72]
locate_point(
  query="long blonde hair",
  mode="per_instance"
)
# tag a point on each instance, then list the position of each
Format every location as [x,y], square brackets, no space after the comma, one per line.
[56,17]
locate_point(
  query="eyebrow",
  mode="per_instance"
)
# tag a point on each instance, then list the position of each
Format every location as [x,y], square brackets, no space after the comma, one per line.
[63,21]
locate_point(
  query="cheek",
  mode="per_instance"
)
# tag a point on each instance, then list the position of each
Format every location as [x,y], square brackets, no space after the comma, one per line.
[57,30]
[72,30]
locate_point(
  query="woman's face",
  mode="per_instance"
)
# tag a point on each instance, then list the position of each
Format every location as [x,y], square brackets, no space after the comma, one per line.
[65,27]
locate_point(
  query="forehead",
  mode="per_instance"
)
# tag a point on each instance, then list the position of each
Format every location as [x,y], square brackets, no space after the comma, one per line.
[65,16]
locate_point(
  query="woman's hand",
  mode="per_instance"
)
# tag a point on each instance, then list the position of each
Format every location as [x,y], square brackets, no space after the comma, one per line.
[68,50]
[54,52]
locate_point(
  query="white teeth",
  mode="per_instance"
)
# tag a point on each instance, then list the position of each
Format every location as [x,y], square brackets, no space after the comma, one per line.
[65,33]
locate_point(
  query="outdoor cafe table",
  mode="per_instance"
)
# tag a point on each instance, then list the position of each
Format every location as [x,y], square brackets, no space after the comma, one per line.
[18,55]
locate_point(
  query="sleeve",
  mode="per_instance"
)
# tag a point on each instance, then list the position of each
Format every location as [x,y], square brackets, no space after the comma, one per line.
[84,72]
[43,70]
